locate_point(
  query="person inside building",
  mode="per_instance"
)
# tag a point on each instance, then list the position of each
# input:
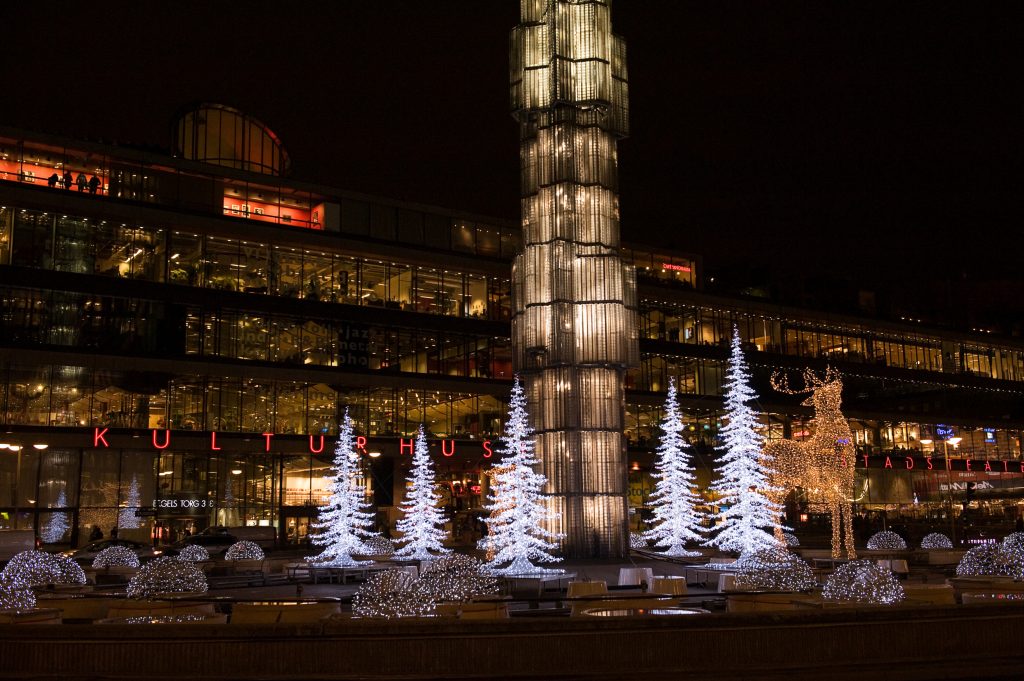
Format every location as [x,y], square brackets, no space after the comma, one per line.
[96,533]
[94,184]
[81,182]
[66,180]
[53,180]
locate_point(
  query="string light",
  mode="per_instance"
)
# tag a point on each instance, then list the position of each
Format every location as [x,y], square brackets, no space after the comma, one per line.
[637,540]
[379,546]
[992,560]
[244,550]
[195,553]
[823,466]
[16,595]
[791,539]
[166,575]
[456,578]
[1014,539]
[518,513]
[886,541]
[936,540]
[116,556]
[423,521]
[344,522]
[677,520]
[389,594]
[748,512]
[39,568]
[774,569]
[863,581]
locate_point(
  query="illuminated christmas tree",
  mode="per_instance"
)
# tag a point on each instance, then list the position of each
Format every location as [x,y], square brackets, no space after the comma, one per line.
[677,520]
[126,518]
[58,523]
[518,514]
[344,521]
[748,517]
[422,526]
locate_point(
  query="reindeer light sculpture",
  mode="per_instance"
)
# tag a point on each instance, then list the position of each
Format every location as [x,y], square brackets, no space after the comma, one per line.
[823,465]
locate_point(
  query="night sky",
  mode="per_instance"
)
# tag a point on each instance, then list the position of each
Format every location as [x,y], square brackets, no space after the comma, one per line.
[882,139]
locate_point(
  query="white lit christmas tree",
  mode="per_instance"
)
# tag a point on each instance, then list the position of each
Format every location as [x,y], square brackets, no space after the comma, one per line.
[58,523]
[749,516]
[677,520]
[518,514]
[344,521]
[126,517]
[423,523]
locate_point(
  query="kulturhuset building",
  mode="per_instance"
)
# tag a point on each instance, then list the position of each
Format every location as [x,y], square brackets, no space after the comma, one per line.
[180,333]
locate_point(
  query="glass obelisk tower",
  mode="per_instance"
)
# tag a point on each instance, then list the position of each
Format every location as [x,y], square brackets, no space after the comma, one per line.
[574,327]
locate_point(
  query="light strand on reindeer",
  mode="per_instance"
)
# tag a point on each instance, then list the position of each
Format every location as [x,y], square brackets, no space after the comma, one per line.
[822,466]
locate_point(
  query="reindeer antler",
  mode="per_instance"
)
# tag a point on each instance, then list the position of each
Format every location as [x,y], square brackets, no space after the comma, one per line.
[782,385]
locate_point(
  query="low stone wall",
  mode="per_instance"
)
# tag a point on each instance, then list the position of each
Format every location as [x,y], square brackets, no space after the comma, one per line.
[891,643]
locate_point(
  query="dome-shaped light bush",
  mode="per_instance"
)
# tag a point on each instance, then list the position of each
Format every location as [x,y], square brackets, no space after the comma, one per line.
[16,595]
[391,594]
[195,553]
[791,539]
[637,540]
[936,540]
[165,576]
[455,577]
[886,541]
[863,581]
[244,550]
[1014,539]
[992,560]
[774,570]
[39,568]
[116,556]
[378,546]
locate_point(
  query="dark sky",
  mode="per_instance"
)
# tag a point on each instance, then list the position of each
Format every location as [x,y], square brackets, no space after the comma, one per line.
[872,137]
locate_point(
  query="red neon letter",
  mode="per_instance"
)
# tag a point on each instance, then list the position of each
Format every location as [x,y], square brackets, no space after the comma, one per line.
[968,464]
[213,441]
[167,439]
[988,466]
[361,443]
[316,451]
[488,452]
[1022,466]
[1006,467]
[98,436]
[949,464]
[268,436]
[929,460]
[444,447]
[910,462]
[865,461]
[888,462]
[403,446]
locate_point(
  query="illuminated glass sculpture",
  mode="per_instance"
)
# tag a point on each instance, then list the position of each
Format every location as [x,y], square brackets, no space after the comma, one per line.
[863,581]
[676,517]
[748,513]
[936,540]
[574,330]
[116,556]
[422,525]
[886,541]
[821,466]
[344,522]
